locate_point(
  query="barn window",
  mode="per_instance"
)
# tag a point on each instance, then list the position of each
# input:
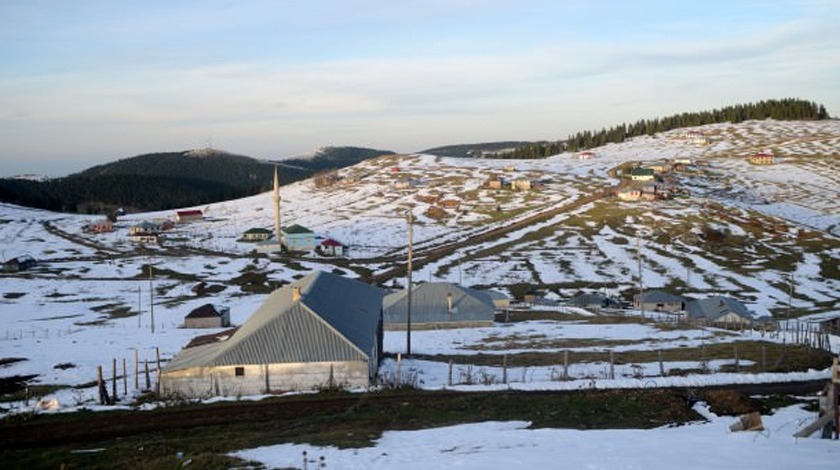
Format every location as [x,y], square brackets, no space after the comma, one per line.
[239,371]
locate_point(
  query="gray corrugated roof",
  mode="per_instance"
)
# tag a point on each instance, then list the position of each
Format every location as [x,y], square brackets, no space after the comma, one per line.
[336,319]
[712,308]
[429,304]
[660,296]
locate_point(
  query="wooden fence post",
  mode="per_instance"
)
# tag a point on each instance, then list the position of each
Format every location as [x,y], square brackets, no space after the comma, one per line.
[125,379]
[565,365]
[157,356]
[136,370]
[114,380]
[103,390]
[398,378]
[449,378]
[148,380]
[504,369]
[661,365]
[612,365]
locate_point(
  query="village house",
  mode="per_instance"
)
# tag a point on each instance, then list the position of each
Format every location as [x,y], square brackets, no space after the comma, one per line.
[144,237]
[100,226]
[494,183]
[332,247]
[641,174]
[718,311]
[629,193]
[520,184]
[322,331]
[594,301]
[256,234]
[297,238]
[439,305]
[762,158]
[191,215]
[208,316]
[586,155]
[20,263]
[659,301]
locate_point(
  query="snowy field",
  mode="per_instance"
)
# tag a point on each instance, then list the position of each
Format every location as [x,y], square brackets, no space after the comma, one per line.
[504,445]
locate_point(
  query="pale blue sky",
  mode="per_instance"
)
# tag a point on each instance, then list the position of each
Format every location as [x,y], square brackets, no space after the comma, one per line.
[87,82]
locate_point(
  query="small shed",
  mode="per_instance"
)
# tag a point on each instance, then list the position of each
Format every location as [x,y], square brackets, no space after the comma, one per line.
[332,247]
[20,263]
[208,316]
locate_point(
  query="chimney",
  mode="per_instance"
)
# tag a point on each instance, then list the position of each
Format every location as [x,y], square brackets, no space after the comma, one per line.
[295,293]
[449,303]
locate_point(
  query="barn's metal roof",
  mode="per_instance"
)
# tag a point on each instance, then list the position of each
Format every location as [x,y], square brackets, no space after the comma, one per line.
[429,304]
[335,319]
[712,308]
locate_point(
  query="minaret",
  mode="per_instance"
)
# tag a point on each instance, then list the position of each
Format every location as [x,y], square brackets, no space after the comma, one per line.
[276,206]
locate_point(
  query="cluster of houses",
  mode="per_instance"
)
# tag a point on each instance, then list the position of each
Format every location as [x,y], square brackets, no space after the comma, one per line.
[692,136]
[320,331]
[652,181]
[294,238]
[716,310]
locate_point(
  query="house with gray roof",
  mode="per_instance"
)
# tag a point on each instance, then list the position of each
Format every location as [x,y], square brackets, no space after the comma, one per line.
[320,331]
[719,310]
[594,301]
[659,301]
[439,305]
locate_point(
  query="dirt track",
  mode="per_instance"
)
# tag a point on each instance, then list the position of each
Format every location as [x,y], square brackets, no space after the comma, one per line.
[283,413]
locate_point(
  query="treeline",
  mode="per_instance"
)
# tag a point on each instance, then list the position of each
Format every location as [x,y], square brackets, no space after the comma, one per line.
[784,109]
[162,181]
[103,194]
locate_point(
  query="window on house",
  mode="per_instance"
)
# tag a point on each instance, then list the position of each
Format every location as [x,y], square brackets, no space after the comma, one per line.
[239,371]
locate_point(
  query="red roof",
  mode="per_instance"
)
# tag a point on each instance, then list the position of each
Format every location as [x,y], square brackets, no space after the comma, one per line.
[190,212]
[331,242]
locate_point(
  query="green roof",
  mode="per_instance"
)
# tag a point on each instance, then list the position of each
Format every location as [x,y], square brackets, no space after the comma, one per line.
[297,229]
[638,171]
[258,230]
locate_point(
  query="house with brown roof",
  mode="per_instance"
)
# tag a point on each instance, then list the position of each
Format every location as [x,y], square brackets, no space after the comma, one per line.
[188,216]
[208,316]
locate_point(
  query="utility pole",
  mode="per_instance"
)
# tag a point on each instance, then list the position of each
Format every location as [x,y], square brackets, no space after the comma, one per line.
[410,218]
[790,293]
[139,306]
[151,295]
[641,284]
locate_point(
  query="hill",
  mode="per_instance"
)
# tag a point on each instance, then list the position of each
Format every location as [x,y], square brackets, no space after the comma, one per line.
[166,180]
[474,150]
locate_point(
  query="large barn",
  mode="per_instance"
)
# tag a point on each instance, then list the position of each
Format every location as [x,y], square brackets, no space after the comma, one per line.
[439,305]
[321,331]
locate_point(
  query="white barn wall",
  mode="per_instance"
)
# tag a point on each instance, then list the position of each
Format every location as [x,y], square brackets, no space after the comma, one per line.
[223,381]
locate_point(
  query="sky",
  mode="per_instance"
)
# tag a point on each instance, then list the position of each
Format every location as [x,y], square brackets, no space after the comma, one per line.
[89,82]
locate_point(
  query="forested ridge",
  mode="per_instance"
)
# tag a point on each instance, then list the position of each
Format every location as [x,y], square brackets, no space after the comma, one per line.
[168,180]
[783,109]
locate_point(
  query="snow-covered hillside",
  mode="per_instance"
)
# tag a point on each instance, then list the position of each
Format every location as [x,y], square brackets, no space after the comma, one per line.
[88,299]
